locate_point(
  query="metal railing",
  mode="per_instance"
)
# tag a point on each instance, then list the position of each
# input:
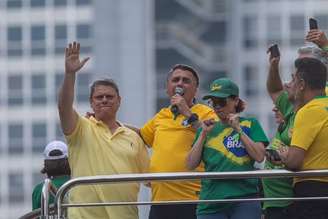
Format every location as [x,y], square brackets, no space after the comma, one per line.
[48,188]
[121,178]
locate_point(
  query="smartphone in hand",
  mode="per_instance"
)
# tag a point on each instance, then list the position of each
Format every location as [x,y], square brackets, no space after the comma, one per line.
[274,50]
[313,23]
[273,154]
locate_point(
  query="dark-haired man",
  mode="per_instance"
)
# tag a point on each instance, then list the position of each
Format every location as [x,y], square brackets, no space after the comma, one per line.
[56,167]
[170,134]
[99,145]
[308,148]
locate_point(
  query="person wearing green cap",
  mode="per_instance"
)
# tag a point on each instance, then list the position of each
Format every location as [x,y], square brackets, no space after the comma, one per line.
[232,144]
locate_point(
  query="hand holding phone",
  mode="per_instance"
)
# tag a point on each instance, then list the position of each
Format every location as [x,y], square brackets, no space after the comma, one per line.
[274,50]
[272,155]
[313,23]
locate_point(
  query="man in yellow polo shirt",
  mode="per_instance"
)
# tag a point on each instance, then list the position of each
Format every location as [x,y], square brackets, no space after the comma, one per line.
[99,145]
[170,134]
[309,148]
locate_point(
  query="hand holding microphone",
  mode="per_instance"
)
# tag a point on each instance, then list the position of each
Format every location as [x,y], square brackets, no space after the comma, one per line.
[174,108]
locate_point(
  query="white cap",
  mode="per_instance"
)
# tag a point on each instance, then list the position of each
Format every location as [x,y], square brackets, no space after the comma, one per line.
[55,145]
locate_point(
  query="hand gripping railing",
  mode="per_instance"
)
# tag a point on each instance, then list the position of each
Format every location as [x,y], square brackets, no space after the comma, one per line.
[181,176]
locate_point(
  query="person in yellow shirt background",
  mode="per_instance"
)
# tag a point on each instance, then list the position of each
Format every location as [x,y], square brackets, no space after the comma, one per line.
[309,149]
[99,145]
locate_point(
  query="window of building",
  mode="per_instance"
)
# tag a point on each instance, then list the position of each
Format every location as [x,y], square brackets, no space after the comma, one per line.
[14,39]
[15,90]
[39,136]
[38,87]
[16,187]
[215,33]
[83,2]
[84,36]
[59,3]
[38,3]
[14,4]
[15,138]
[251,81]
[83,87]
[60,38]
[250,30]
[83,31]
[273,29]
[297,30]
[38,37]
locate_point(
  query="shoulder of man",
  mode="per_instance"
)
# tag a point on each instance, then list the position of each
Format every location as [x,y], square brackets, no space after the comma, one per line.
[203,110]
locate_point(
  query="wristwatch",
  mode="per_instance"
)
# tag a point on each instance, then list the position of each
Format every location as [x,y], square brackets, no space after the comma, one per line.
[190,120]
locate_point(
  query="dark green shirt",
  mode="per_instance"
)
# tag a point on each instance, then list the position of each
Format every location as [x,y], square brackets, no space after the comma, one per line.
[37,191]
[224,151]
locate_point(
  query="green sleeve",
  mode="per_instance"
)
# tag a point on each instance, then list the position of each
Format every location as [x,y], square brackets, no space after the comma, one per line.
[283,104]
[257,134]
[36,197]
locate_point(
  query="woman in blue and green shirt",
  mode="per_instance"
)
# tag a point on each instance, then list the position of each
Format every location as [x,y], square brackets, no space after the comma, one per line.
[232,144]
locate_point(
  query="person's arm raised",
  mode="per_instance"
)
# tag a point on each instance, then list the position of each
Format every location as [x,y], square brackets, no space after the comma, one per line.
[68,116]
[274,83]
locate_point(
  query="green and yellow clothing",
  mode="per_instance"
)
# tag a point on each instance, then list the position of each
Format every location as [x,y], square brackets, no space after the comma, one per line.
[310,134]
[170,142]
[326,90]
[94,150]
[282,187]
[37,191]
[224,151]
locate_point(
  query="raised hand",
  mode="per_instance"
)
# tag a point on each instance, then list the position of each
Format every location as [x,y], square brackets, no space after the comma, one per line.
[72,58]
[318,37]
[274,61]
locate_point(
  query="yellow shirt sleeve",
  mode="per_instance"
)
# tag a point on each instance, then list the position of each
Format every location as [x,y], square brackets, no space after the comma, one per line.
[75,135]
[148,131]
[308,122]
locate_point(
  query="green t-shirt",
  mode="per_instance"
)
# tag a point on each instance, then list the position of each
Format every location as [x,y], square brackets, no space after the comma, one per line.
[280,187]
[224,151]
[37,191]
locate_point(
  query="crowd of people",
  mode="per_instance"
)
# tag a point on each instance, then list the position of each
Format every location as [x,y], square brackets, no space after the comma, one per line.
[189,136]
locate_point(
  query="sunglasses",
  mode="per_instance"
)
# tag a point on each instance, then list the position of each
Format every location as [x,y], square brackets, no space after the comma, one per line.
[218,102]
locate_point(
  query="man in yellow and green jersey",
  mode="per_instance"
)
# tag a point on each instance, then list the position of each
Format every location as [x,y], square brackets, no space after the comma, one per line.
[309,148]
[170,134]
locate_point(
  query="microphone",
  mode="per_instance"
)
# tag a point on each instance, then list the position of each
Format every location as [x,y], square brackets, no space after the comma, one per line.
[174,108]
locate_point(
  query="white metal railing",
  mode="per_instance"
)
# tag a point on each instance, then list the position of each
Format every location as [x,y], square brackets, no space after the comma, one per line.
[181,176]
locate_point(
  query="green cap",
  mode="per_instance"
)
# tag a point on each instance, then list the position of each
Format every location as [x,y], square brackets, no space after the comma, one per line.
[222,88]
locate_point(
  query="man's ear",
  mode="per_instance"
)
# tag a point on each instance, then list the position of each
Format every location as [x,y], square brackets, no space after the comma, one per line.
[119,100]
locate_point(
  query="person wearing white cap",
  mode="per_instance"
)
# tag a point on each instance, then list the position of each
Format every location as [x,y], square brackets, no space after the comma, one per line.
[56,167]
[99,145]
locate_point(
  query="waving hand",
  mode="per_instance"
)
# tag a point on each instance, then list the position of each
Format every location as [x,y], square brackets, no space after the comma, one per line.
[72,58]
